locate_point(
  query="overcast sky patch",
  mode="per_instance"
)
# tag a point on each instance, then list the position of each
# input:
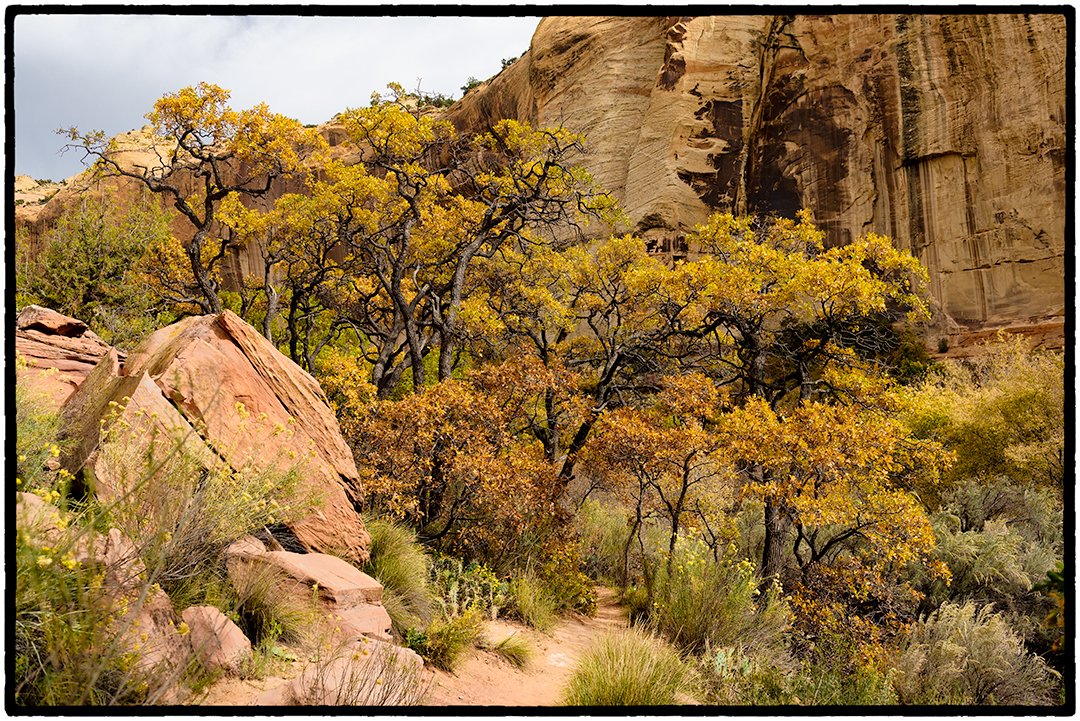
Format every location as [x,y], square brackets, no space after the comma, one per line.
[104,72]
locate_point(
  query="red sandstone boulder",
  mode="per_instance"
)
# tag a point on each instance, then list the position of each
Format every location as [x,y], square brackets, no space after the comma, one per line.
[349,601]
[60,352]
[218,643]
[218,384]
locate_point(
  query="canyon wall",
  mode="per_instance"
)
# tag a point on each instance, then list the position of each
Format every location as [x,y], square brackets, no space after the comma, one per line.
[947,133]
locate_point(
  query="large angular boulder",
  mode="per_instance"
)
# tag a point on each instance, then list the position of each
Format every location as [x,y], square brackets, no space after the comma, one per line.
[348,601]
[232,397]
[60,352]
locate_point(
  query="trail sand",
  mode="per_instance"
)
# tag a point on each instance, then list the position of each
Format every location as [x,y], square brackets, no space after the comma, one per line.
[483,678]
[486,679]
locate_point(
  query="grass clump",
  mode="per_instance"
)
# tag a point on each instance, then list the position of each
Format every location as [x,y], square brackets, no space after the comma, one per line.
[400,564]
[531,602]
[515,649]
[630,668]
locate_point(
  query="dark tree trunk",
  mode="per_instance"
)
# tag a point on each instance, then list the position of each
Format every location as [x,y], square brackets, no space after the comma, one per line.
[777,526]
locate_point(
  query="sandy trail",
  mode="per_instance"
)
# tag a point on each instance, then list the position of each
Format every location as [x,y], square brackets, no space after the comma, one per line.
[484,678]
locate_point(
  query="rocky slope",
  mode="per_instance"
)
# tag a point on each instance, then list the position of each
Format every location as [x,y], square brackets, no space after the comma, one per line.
[946,133]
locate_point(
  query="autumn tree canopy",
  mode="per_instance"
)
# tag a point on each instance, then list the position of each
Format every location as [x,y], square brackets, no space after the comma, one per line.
[386,247]
[203,151]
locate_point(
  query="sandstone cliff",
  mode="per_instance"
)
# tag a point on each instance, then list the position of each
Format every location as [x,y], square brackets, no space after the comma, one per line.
[946,133]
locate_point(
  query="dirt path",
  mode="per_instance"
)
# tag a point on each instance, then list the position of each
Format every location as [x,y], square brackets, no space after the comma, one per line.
[486,679]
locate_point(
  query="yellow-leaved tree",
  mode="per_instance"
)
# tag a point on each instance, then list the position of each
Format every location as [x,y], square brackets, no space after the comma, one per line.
[200,152]
[387,247]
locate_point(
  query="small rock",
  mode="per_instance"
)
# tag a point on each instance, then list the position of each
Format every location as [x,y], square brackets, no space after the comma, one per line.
[218,643]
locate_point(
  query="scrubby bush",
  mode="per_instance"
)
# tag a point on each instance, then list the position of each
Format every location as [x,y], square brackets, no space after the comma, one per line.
[560,574]
[965,655]
[999,538]
[66,631]
[89,266]
[700,602]
[630,668]
[448,637]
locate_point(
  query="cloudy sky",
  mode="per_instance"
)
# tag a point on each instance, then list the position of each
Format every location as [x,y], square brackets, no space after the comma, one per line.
[104,72]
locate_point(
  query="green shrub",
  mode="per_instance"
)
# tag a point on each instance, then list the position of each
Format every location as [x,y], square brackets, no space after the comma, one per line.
[531,602]
[446,640]
[66,632]
[560,575]
[401,565]
[630,668]
[998,539]
[966,655]
[265,614]
[701,602]
[88,266]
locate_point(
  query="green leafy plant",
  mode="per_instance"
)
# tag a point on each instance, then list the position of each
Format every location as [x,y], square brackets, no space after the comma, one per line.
[35,441]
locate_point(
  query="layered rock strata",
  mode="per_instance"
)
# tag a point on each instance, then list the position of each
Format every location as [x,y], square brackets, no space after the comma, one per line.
[946,133]
[231,397]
